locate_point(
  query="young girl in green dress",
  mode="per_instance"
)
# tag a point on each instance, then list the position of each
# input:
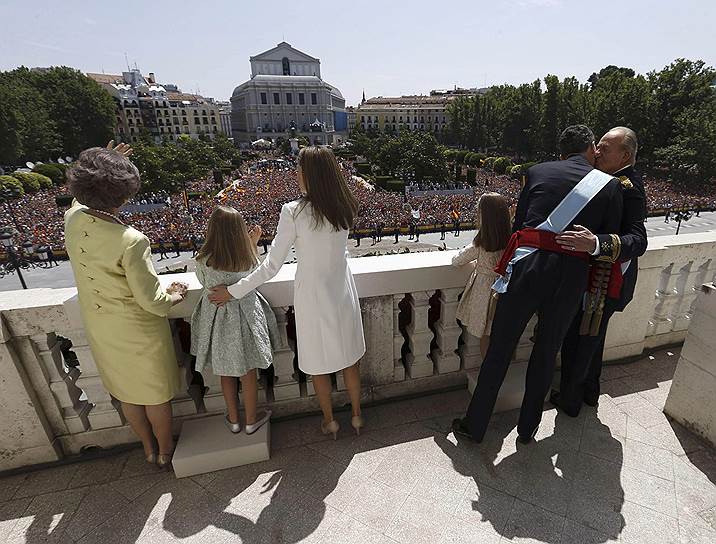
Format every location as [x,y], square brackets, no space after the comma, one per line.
[236,338]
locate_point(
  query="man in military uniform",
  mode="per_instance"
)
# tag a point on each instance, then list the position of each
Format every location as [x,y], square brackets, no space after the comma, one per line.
[618,252]
[540,276]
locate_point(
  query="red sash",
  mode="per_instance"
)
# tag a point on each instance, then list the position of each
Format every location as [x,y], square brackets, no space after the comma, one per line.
[542,239]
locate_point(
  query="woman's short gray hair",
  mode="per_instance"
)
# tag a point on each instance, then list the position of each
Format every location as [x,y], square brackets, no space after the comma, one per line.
[103,179]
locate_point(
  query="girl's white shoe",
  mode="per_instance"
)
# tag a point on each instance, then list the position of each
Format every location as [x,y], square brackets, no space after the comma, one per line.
[251,429]
[233,427]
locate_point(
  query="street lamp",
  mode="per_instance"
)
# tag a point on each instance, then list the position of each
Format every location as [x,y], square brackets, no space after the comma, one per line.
[20,258]
[680,215]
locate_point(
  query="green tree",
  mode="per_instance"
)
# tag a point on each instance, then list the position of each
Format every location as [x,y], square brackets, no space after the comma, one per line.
[83,111]
[27,131]
[682,84]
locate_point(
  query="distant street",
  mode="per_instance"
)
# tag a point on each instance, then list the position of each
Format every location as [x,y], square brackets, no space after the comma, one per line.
[61,276]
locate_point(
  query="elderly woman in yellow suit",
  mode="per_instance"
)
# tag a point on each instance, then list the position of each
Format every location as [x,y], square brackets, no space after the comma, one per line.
[123,306]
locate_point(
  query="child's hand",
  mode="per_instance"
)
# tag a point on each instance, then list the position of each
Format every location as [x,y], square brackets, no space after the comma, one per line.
[255,233]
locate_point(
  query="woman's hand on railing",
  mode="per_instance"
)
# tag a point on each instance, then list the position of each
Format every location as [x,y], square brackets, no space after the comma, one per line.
[177,291]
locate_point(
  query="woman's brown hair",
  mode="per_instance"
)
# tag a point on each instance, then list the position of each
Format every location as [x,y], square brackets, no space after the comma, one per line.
[326,188]
[228,246]
[493,222]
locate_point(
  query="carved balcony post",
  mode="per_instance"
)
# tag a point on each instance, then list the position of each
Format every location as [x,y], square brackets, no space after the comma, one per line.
[419,363]
[285,385]
[447,332]
[398,341]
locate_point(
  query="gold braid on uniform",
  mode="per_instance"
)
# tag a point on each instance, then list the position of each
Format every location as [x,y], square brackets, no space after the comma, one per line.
[594,299]
[609,250]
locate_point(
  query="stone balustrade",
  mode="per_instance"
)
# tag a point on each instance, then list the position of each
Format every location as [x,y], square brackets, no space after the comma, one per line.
[53,403]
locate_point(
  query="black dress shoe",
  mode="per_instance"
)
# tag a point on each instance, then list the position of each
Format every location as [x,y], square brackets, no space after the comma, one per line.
[459,427]
[591,399]
[556,399]
[526,439]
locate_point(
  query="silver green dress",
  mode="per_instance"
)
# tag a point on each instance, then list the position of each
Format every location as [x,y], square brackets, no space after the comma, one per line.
[236,337]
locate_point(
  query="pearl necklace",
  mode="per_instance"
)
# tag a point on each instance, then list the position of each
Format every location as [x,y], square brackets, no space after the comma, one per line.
[107,214]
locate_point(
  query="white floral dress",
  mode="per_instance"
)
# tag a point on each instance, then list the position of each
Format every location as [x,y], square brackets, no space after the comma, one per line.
[477,303]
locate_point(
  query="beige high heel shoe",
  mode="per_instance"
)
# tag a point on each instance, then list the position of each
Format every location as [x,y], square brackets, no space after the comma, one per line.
[164,461]
[331,428]
[358,423]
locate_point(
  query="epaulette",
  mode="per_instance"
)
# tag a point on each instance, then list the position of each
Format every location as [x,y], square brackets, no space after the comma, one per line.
[626,182]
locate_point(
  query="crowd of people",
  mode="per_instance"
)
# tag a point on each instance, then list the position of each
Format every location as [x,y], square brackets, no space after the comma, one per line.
[259,193]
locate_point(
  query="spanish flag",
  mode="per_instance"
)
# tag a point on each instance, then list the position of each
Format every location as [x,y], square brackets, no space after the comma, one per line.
[455,215]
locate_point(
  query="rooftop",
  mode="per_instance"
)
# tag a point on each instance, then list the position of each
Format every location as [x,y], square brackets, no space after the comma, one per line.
[619,473]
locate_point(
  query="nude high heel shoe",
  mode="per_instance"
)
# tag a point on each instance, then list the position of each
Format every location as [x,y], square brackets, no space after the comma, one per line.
[331,428]
[357,422]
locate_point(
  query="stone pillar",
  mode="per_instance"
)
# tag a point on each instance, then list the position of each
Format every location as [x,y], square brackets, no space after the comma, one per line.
[691,399]
[103,413]
[447,332]
[470,350]
[419,363]
[627,332]
[398,341]
[377,365]
[62,381]
[668,296]
[26,436]
[285,384]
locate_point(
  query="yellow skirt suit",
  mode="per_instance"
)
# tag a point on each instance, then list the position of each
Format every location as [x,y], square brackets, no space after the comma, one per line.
[124,308]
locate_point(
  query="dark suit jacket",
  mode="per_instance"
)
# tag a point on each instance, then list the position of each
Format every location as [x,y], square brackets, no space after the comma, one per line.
[632,234]
[549,182]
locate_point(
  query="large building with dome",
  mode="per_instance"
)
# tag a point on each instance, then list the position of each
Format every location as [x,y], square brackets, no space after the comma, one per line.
[286,90]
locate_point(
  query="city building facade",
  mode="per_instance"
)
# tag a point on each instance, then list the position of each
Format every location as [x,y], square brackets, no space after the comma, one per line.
[162,112]
[286,91]
[415,112]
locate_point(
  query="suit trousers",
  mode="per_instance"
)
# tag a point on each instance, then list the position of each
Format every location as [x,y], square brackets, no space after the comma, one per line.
[551,285]
[582,361]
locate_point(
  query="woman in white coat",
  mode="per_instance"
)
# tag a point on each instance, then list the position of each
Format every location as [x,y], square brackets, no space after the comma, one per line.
[329,328]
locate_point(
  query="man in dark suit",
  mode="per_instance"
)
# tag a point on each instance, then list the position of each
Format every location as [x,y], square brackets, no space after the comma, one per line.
[549,280]
[582,354]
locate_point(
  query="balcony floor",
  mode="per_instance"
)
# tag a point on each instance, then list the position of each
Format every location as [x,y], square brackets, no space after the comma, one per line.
[622,473]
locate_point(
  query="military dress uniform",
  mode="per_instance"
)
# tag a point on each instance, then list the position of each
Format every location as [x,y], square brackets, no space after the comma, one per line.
[549,282]
[582,353]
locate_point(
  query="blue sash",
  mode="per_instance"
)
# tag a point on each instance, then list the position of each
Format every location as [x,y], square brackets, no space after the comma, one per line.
[560,218]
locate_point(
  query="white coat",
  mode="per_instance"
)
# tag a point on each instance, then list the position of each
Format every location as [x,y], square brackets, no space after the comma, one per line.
[329,328]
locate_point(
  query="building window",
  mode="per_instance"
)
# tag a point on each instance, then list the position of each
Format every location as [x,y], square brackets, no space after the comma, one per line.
[314,98]
[362,118]
[176,120]
[286,66]
[264,100]
[196,121]
[206,121]
[289,98]
[276,98]
[176,130]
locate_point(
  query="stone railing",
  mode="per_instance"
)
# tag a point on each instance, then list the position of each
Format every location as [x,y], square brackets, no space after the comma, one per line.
[53,403]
